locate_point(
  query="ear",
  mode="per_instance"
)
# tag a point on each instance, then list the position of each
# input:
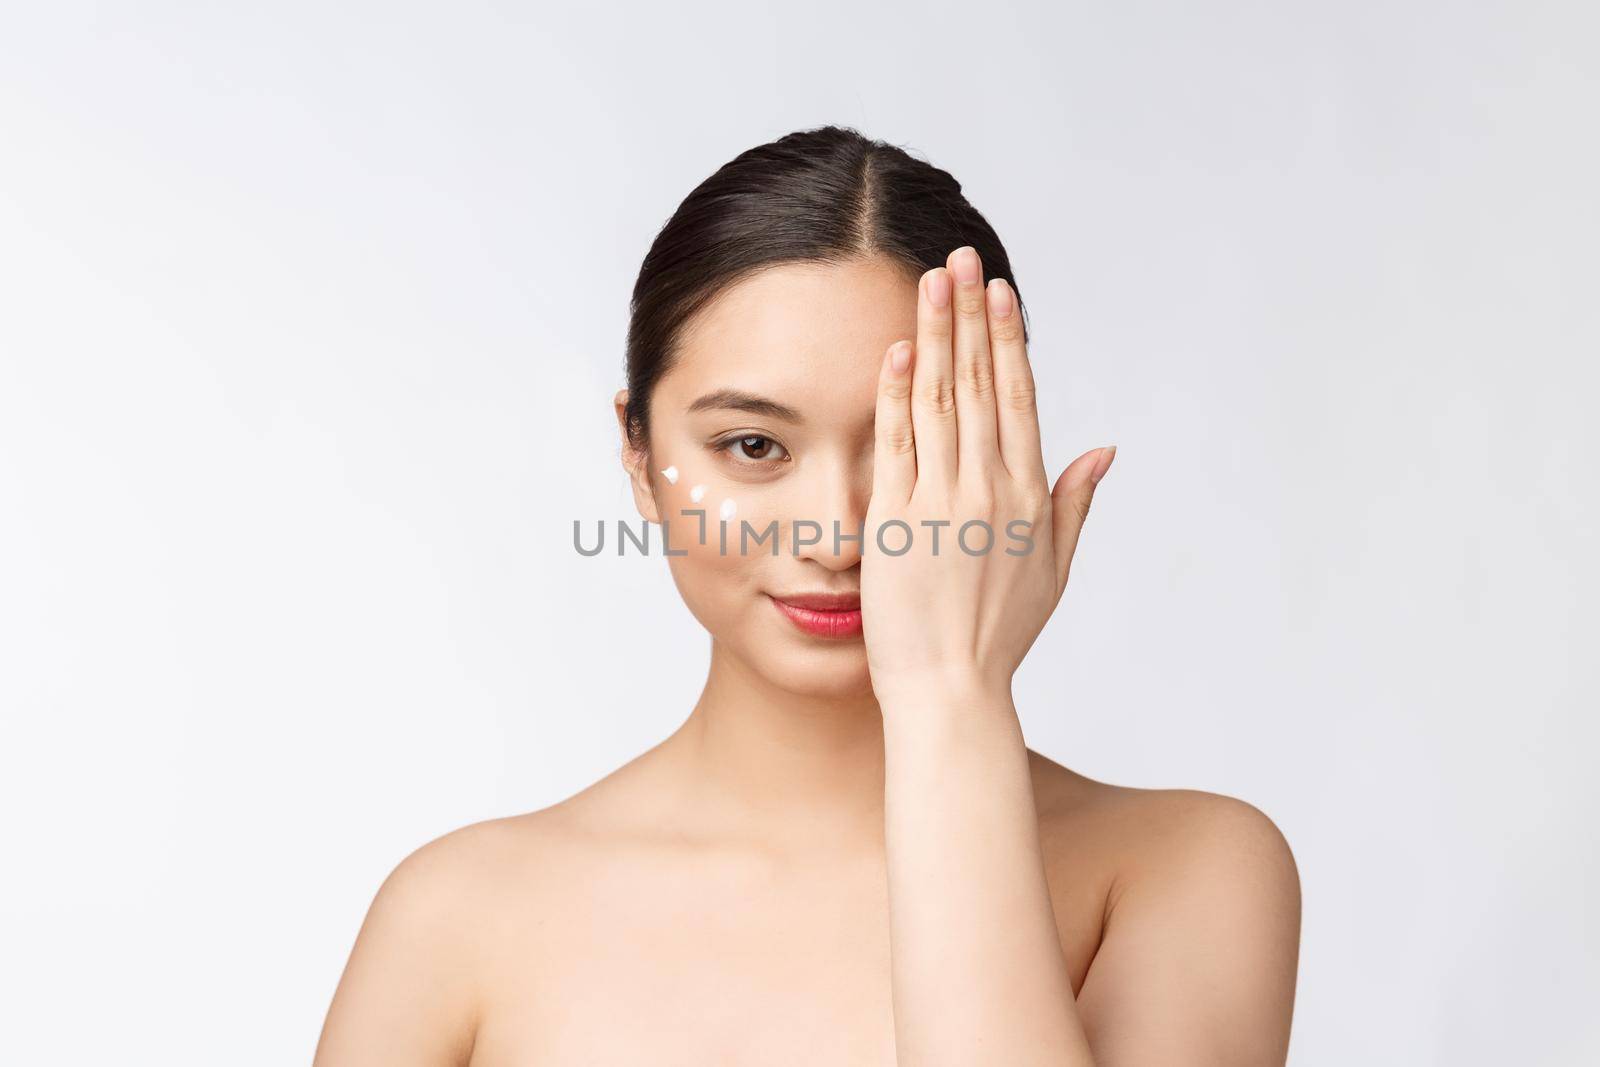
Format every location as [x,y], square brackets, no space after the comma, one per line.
[636,462]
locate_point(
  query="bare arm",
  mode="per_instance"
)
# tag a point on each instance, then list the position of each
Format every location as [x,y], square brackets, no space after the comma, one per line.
[1197,965]
[977,969]
[406,998]
[1198,959]
[978,976]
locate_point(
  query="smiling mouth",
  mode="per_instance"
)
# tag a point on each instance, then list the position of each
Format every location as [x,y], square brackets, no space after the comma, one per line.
[822,614]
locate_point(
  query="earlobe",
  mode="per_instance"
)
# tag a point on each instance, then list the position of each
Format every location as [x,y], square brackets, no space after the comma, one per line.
[636,463]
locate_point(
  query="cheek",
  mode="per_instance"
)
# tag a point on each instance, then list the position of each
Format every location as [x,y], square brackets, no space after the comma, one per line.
[720,522]
[725,529]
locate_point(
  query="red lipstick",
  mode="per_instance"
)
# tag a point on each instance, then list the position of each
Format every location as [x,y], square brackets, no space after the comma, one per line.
[822,614]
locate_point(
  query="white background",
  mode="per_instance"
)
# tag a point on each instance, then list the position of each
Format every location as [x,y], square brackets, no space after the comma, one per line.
[310,317]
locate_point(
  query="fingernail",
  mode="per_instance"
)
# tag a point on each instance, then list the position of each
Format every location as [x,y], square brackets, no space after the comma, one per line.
[964,265]
[999,298]
[939,287]
[1103,464]
[900,356]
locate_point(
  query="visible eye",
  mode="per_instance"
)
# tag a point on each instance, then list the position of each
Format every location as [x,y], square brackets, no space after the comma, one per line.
[754,449]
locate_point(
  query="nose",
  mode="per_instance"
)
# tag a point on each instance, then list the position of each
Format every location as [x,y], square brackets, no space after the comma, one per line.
[835,502]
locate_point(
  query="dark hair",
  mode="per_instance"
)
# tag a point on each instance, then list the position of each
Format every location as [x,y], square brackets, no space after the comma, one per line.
[822,195]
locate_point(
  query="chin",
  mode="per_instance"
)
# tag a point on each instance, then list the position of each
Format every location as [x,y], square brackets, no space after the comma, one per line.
[825,672]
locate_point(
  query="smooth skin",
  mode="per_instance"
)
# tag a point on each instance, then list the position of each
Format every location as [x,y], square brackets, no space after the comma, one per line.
[846,854]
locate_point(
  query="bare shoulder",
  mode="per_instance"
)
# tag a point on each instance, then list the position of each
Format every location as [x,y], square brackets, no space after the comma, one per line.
[463,876]
[1146,831]
[497,847]
[1212,841]
[1200,927]
[449,879]
[410,991]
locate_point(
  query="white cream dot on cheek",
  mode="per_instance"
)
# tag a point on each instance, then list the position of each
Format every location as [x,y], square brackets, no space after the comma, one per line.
[728,508]
[697,494]
[671,474]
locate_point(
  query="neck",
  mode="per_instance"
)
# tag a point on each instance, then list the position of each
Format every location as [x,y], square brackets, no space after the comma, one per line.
[789,768]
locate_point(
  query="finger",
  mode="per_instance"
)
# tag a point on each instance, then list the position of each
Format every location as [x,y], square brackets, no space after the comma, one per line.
[976,441]
[1016,404]
[894,457]
[933,405]
[1070,500]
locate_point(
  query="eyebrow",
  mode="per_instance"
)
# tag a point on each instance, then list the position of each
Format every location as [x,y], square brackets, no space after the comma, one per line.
[738,400]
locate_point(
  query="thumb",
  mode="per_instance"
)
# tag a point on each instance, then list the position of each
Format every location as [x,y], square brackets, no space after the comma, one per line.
[1070,500]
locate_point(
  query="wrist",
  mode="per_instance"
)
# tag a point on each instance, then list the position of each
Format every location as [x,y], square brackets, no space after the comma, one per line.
[961,690]
[963,719]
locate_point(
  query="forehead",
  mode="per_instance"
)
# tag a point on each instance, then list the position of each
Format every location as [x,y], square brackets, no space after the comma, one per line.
[812,334]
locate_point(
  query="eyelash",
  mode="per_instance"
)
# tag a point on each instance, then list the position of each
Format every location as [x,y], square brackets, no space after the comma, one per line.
[723,446]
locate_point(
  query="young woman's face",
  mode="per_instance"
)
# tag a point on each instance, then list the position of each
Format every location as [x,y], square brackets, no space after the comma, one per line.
[799,347]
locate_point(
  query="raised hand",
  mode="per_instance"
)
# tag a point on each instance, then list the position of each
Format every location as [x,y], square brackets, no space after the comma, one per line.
[957,451]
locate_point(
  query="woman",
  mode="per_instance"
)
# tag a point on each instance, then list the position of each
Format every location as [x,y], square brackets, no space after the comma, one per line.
[846,854]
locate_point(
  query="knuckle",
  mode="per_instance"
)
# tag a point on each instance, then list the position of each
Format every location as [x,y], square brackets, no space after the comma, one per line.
[931,497]
[898,389]
[898,439]
[978,376]
[969,302]
[938,397]
[1034,502]
[1020,392]
[1007,330]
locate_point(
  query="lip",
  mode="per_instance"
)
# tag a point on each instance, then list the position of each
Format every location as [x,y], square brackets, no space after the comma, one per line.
[822,614]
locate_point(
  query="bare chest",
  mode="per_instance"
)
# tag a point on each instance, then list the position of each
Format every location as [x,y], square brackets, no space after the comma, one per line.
[726,964]
[709,967]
